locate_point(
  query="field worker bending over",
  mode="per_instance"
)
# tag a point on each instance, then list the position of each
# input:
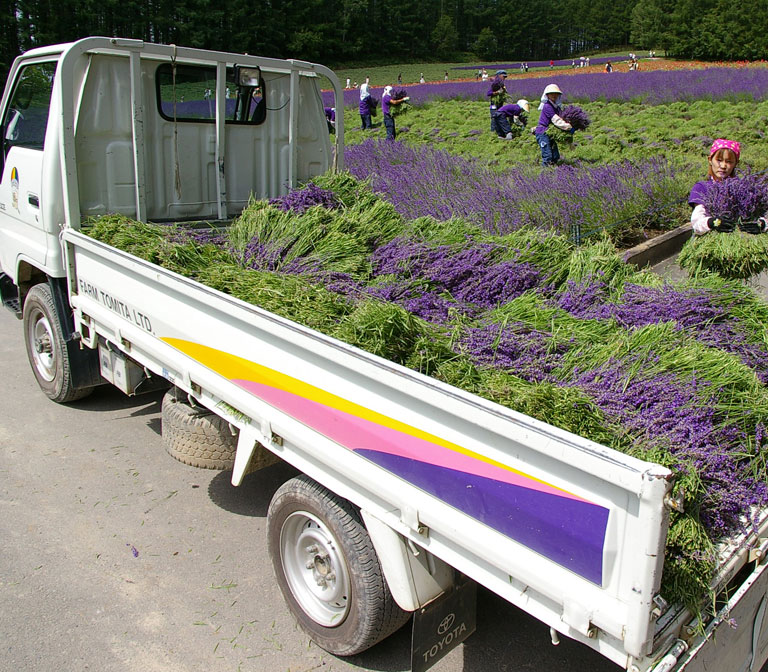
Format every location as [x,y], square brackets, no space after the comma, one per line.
[550,114]
[517,112]
[723,159]
[389,121]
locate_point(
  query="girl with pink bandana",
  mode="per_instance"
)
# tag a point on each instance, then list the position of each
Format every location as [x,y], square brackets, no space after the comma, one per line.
[723,159]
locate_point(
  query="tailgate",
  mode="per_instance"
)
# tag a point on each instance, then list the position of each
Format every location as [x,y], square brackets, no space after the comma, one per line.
[737,640]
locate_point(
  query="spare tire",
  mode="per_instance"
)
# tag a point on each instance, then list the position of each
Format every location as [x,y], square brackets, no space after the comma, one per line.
[196,436]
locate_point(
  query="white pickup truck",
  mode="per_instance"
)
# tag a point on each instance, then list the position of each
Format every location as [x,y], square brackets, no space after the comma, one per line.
[411,490]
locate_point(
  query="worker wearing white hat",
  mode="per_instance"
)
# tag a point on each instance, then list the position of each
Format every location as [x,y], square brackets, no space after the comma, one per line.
[516,112]
[550,114]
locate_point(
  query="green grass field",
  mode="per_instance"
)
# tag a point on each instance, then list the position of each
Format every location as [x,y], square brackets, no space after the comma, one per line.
[681,132]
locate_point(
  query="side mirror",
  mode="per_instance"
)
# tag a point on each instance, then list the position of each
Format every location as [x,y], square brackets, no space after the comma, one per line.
[247,77]
[251,105]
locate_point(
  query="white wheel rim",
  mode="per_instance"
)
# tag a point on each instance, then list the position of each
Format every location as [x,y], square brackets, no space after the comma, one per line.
[315,569]
[41,340]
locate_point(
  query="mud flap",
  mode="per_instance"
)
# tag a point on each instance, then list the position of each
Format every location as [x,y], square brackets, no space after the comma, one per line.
[84,362]
[443,624]
[9,295]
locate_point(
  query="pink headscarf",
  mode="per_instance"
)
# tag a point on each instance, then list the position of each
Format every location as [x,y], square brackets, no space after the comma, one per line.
[722,143]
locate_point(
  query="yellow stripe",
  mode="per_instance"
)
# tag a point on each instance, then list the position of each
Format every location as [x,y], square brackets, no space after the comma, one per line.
[233,367]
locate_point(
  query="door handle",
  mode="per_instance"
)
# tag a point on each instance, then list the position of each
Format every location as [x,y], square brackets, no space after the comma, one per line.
[34,201]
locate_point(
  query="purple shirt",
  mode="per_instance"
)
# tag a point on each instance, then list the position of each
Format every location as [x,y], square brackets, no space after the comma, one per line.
[385,103]
[330,114]
[545,119]
[510,110]
[495,95]
[699,192]
[365,107]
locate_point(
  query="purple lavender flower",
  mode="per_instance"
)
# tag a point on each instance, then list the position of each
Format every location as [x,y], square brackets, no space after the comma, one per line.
[423,181]
[498,284]
[682,416]
[514,347]
[652,88]
[575,116]
[300,200]
[745,198]
[704,314]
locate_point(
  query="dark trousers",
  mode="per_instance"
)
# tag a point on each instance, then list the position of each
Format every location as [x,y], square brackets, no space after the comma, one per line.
[550,154]
[500,124]
[389,124]
[366,121]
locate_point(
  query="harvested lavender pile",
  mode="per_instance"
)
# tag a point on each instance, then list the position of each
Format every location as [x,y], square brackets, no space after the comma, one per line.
[672,374]
[738,254]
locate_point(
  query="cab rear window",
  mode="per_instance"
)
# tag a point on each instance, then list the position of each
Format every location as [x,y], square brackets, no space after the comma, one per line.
[187,93]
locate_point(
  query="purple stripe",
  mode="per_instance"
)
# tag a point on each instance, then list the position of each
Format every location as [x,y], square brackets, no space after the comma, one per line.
[567,531]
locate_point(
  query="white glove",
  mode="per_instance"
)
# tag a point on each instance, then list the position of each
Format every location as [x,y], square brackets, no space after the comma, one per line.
[762,222]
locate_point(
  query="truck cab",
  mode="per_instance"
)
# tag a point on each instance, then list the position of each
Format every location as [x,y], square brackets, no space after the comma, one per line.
[153,132]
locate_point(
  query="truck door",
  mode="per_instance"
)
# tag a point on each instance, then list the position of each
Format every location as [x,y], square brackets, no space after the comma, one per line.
[24,122]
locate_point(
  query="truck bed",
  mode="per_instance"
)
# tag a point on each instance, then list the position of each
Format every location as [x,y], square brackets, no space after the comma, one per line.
[569,530]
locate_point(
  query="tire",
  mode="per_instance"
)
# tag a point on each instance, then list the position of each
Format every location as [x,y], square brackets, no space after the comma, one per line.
[47,347]
[195,435]
[327,569]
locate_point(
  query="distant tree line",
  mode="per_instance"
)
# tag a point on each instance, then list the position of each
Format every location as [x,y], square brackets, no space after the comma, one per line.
[702,29]
[344,32]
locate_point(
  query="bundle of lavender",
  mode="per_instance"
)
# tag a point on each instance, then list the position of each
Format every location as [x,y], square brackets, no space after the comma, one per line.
[736,253]
[576,117]
[401,108]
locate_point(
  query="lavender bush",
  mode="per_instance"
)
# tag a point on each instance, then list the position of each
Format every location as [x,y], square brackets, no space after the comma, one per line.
[562,62]
[428,182]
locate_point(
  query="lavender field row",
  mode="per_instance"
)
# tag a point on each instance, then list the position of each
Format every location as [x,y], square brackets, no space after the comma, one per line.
[622,197]
[652,88]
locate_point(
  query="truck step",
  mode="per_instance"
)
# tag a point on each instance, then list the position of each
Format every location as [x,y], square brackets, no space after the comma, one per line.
[13,305]
[9,294]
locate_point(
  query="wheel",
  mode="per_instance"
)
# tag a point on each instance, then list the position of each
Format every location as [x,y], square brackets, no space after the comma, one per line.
[195,435]
[47,348]
[327,569]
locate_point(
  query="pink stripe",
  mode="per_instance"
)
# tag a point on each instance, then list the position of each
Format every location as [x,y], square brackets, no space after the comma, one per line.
[357,433]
